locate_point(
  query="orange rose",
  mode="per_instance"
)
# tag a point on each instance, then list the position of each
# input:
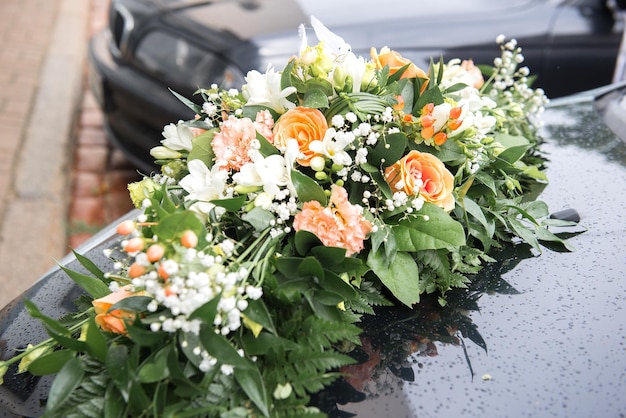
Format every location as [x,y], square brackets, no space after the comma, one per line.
[303,124]
[395,62]
[424,174]
[113,321]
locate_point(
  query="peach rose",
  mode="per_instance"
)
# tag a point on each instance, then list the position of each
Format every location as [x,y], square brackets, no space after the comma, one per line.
[113,321]
[303,124]
[424,174]
[395,61]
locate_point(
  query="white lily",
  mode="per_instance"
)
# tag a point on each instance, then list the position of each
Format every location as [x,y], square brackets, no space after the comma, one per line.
[334,146]
[204,185]
[272,172]
[264,90]
[177,137]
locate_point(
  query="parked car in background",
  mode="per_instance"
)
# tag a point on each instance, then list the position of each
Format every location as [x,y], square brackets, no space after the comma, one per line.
[548,339]
[151,46]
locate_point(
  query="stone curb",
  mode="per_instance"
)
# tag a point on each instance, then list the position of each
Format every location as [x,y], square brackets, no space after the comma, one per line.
[35,223]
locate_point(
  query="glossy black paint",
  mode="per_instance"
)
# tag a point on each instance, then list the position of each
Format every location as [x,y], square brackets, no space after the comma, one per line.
[571,46]
[549,336]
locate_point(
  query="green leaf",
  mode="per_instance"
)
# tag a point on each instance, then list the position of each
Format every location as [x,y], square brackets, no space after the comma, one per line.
[117,368]
[145,338]
[257,311]
[310,267]
[260,219]
[388,150]
[439,231]
[191,105]
[401,277]
[524,233]
[219,347]
[50,323]
[95,287]
[50,363]
[475,210]
[232,204]
[175,224]
[95,341]
[252,384]
[155,367]
[66,381]
[207,311]
[267,148]
[305,241]
[329,256]
[315,98]
[113,402]
[90,266]
[133,304]
[307,189]
[201,148]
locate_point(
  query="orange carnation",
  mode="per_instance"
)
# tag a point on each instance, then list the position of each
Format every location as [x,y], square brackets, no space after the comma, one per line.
[113,321]
[303,124]
[340,224]
[424,174]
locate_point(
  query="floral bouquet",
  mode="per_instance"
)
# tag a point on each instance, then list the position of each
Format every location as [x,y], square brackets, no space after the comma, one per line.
[284,213]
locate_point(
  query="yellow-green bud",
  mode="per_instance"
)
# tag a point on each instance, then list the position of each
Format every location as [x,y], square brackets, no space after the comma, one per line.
[164,153]
[141,190]
[321,176]
[33,355]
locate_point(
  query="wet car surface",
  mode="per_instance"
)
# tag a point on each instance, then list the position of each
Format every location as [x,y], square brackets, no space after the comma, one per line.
[152,46]
[536,335]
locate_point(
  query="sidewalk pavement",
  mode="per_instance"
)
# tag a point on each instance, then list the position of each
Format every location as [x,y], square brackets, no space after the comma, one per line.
[58,175]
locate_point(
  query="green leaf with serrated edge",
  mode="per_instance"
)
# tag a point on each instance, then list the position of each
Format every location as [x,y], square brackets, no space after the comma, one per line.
[65,382]
[310,266]
[154,368]
[260,219]
[90,266]
[266,148]
[415,233]
[219,347]
[50,323]
[401,277]
[174,225]
[305,241]
[133,304]
[197,109]
[201,148]
[232,204]
[307,189]
[388,150]
[207,311]
[50,363]
[95,341]
[329,256]
[95,287]
[252,384]
[257,311]
[113,402]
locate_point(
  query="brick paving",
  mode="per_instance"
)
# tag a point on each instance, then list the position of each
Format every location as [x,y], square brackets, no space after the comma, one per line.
[60,181]
[100,173]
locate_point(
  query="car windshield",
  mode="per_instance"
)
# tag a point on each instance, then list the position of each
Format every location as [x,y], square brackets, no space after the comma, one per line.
[255,17]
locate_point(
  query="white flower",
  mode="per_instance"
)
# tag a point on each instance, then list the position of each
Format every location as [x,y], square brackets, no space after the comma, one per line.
[272,172]
[204,185]
[333,146]
[264,89]
[177,137]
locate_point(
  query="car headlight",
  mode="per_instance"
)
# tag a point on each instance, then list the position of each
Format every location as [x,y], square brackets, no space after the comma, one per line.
[180,62]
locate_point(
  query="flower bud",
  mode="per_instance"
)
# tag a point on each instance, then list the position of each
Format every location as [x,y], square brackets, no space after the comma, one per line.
[141,190]
[189,239]
[164,153]
[318,163]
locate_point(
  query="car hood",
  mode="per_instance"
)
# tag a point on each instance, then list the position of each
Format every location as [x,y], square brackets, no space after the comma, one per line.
[546,335]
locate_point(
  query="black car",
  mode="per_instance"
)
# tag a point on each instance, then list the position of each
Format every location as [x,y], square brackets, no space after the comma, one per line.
[535,335]
[153,45]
